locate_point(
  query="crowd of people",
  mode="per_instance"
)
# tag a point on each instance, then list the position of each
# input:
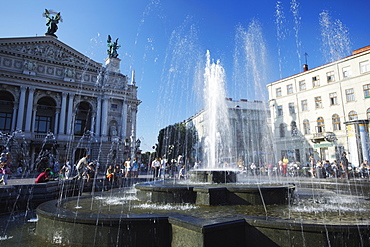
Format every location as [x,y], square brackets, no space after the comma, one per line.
[162,168]
[314,168]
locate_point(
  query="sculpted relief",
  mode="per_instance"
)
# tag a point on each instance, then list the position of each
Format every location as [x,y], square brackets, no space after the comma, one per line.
[47,51]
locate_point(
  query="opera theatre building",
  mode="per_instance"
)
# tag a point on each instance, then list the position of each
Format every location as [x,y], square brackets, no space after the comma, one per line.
[58,104]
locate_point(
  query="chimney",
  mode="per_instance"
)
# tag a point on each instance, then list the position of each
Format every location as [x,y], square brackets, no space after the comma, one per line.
[133,82]
[305,67]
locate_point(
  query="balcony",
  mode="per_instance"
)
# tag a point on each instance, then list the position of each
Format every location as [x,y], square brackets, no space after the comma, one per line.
[323,136]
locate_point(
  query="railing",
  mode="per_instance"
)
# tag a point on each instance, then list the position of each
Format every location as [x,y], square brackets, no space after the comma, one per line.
[318,135]
[39,136]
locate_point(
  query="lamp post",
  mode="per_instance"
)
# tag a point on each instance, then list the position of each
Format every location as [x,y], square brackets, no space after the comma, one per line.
[132,147]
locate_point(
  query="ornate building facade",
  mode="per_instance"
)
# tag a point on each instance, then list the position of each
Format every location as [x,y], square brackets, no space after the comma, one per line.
[56,103]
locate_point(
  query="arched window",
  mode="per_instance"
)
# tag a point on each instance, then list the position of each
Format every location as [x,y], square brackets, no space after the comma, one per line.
[320,125]
[293,127]
[336,122]
[282,130]
[368,113]
[45,116]
[6,110]
[352,115]
[83,118]
[306,127]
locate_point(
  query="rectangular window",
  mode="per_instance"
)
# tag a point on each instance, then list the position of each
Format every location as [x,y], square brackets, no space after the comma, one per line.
[336,122]
[330,76]
[304,105]
[114,106]
[5,121]
[302,85]
[42,124]
[278,92]
[280,110]
[350,95]
[364,67]
[79,127]
[318,102]
[289,89]
[367,91]
[315,81]
[333,98]
[291,108]
[346,72]
[306,127]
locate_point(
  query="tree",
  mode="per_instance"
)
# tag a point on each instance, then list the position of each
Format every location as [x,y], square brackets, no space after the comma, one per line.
[175,140]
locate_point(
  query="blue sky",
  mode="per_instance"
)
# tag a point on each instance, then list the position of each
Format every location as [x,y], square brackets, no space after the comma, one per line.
[165,42]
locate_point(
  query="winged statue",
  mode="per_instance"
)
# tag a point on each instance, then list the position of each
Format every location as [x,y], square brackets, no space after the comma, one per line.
[112,47]
[52,20]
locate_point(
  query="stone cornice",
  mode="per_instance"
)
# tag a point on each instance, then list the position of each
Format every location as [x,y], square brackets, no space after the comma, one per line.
[49,50]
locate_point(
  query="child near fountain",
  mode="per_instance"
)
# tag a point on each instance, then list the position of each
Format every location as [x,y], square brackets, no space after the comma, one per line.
[182,173]
[109,174]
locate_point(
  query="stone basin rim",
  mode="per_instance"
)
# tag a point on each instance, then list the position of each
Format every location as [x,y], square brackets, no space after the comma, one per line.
[52,210]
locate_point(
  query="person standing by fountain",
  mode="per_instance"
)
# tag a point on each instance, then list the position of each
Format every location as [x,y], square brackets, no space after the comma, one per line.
[312,166]
[109,173]
[127,168]
[135,168]
[156,164]
[344,165]
[82,163]
[90,171]
[364,169]
[66,169]
[182,174]
[162,171]
[285,166]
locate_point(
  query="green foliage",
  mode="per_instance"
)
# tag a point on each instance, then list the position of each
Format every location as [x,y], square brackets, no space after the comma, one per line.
[175,140]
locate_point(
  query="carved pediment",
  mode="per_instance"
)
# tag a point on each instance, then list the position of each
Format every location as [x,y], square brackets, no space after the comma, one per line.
[47,48]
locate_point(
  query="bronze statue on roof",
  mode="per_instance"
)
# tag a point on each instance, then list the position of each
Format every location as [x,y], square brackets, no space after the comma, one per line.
[52,21]
[112,47]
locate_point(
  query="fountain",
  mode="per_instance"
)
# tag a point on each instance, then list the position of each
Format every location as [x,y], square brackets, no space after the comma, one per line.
[213,208]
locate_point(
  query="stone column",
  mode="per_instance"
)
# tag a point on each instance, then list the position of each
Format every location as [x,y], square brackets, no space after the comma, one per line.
[93,120]
[98,117]
[21,107]
[70,114]
[34,111]
[29,109]
[104,117]
[56,122]
[15,107]
[62,119]
[124,120]
[133,122]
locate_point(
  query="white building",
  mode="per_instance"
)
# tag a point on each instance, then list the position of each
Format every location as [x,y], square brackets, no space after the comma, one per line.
[56,101]
[324,110]
[249,132]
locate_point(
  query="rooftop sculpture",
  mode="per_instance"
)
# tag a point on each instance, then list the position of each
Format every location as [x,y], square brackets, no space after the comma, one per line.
[112,47]
[52,21]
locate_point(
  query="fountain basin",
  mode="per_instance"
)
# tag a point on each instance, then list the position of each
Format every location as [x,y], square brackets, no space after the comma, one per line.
[121,225]
[214,194]
[213,176]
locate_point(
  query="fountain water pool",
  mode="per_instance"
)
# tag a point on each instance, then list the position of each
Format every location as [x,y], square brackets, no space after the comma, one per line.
[318,215]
